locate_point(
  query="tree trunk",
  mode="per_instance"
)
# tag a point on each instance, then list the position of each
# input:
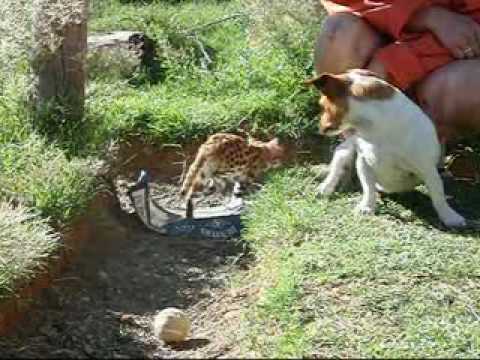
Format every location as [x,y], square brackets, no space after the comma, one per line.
[61,72]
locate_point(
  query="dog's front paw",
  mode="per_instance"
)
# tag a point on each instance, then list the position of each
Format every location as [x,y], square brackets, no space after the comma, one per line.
[325,189]
[454,220]
[364,209]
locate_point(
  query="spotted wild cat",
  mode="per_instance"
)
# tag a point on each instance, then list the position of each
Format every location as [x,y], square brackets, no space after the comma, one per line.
[228,157]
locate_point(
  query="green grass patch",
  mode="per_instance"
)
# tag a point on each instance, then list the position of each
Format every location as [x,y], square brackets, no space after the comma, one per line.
[277,325]
[14,115]
[258,83]
[390,285]
[41,176]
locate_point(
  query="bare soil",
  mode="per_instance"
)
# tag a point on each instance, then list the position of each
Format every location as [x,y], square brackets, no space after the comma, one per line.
[104,305]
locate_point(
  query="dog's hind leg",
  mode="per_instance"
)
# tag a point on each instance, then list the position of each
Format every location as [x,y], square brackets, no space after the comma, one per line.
[341,161]
[435,188]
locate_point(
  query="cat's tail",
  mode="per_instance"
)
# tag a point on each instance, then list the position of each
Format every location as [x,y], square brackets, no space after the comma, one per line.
[189,183]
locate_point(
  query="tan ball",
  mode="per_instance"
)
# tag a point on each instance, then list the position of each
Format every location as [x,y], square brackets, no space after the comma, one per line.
[171,325]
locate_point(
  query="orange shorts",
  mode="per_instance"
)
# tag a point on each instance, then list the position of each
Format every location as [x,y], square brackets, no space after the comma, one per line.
[413,56]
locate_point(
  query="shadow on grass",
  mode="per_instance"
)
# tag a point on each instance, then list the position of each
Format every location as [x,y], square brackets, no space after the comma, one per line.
[463,196]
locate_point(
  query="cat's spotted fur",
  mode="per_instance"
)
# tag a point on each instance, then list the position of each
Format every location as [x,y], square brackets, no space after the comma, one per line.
[229,157]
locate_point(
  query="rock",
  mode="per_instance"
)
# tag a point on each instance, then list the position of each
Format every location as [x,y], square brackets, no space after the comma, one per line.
[171,325]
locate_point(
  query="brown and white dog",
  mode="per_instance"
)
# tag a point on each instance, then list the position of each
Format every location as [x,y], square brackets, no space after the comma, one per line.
[395,141]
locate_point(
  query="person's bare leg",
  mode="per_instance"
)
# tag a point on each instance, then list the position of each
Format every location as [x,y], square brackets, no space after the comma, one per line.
[378,68]
[345,42]
[450,96]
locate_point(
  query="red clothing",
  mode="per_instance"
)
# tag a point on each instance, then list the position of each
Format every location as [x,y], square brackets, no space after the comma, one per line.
[410,57]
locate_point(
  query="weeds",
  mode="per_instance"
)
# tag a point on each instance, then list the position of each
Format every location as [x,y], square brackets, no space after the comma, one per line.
[18,264]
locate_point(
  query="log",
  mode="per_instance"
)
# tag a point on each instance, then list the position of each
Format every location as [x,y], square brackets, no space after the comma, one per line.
[119,51]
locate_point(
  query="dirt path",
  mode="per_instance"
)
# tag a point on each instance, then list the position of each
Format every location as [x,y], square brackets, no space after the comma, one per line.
[103,306]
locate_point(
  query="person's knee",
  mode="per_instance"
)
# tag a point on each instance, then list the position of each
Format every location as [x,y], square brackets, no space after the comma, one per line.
[345,42]
[450,97]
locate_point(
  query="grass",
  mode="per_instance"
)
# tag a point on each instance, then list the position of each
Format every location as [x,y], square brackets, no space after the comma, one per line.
[52,188]
[331,284]
[19,225]
[48,163]
[41,176]
[260,86]
[42,186]
[337,285]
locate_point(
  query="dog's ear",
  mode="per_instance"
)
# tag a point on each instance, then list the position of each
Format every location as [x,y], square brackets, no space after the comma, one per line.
[330,85]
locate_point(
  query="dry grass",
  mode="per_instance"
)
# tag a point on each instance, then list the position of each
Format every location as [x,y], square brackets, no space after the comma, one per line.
[26,244]
[16,40]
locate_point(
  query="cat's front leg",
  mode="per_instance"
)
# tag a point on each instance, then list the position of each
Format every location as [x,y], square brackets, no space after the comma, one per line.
[341,161]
